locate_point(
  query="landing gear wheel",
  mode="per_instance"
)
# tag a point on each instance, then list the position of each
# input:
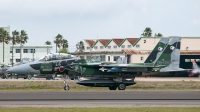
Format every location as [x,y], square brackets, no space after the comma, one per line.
[66,87]
[121,86]
[29,77]
[112,87]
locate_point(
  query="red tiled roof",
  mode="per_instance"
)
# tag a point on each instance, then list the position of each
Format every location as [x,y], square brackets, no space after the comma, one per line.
[104,41]
[190,52]
[129,51]
[90,42]
[132,40]
[118,41]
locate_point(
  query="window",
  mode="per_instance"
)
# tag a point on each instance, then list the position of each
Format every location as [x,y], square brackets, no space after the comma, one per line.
[102,57]
[108,58]
[25,50]
[101,47]
[17,60]
[123,46]
[116,57]
[145,41]
[141,58]
[187,60]
[88,48]
[17,50]
[32,50]
[197,60]
[128,46]
[11,51]
[82,57]
[109,47]
[138,46]
[95,47]
[115,47]
[88,57]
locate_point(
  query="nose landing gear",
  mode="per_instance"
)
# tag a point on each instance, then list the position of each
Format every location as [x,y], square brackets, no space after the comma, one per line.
[66,86]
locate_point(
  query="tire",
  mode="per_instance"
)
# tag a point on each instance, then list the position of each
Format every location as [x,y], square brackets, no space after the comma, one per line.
[112,87]
[66,88]
[121,86]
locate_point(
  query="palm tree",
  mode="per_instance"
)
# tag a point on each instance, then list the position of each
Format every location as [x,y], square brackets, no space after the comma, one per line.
[23,37]
[57,41]
[4,38]
[14,41]
[47,43]
[147,32]
[80,46]
[64,43]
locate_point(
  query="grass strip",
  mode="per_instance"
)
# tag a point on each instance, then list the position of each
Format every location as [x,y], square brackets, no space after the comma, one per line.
[58,85]
[138,109]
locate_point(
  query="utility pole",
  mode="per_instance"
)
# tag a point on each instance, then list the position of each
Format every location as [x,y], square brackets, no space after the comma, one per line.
[33,54]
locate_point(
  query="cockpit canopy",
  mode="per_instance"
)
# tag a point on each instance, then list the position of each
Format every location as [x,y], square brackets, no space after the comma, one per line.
[56,56]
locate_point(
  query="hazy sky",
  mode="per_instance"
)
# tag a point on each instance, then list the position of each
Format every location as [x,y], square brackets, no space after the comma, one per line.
[95,19]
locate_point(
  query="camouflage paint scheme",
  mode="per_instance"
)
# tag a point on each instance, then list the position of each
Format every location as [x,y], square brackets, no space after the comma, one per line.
[166,60]
[164,57]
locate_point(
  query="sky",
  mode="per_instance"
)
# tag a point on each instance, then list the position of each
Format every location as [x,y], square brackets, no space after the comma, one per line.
[77,20]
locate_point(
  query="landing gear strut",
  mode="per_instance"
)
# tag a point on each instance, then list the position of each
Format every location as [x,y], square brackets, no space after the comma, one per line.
[66,86]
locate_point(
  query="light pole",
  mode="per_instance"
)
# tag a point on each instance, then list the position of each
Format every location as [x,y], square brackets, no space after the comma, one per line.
[33,55]
[3,47]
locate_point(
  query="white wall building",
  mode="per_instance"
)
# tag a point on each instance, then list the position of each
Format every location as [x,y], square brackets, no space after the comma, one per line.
[136,49]
[31,52]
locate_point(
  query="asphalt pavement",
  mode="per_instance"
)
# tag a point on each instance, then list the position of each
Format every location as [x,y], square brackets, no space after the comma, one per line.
[100,98]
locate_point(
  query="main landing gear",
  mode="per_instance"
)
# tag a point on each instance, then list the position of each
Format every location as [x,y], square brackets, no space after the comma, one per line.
[120,86]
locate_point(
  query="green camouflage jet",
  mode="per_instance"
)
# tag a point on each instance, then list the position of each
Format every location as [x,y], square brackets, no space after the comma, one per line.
[164,59]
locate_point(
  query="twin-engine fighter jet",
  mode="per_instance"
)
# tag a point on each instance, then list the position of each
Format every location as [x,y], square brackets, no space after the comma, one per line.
[163,60]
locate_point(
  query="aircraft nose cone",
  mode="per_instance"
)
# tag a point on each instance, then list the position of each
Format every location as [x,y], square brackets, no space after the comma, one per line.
[21,69]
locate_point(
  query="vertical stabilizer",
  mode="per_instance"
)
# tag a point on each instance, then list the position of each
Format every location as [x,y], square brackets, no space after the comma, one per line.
[170,58]
[157,51]
[194,65]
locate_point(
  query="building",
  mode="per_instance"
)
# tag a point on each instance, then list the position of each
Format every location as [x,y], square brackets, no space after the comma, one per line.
[5,60]
[29,52]
[137,49]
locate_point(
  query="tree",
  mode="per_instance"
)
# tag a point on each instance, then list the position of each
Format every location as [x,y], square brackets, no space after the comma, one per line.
[158,35]
[80,46]
[64,43]
[147,32]
[57,41]
[63,50]
[4,38]
[14,41]
[23,37]
[47,43]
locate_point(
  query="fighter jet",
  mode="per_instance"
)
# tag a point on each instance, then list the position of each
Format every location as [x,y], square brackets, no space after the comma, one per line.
[50,64]
[164,59]
[195,70]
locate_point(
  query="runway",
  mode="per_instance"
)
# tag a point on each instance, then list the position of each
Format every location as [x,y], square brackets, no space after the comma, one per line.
[100,98]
